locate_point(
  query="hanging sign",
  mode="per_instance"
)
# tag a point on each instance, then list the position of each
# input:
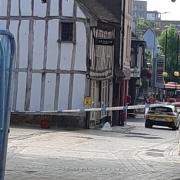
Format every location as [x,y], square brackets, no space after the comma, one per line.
[104,42]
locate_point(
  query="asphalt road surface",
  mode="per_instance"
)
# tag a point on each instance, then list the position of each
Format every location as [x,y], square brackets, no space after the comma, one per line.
[127,153]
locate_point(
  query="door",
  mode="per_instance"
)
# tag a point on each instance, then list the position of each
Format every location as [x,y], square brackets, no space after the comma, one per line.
[104,97]
[94,116]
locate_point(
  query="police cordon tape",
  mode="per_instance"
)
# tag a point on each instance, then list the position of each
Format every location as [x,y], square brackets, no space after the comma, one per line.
[102,109]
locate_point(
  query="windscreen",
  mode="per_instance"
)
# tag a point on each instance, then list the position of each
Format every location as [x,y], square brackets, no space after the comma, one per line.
[160,109]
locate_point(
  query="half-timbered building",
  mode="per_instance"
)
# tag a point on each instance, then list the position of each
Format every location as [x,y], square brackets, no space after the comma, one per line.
[66,50]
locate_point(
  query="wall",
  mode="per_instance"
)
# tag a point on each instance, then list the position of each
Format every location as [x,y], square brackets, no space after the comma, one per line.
[48,75]
[127,38]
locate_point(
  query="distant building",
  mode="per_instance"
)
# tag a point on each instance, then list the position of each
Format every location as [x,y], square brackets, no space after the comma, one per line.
[140,9]
[153,15]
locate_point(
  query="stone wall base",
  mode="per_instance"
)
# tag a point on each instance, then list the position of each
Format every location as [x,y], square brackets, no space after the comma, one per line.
[73,120]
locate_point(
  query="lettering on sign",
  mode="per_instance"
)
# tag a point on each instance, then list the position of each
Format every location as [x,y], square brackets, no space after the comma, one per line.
[105,42]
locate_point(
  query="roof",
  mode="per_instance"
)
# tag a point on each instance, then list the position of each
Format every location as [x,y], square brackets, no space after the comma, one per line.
[100,10]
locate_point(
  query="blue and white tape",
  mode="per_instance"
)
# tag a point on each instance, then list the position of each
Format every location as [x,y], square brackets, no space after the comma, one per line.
[101,109]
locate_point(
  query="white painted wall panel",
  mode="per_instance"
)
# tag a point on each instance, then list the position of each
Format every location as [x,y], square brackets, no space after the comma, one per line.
[49,92]
[78,91]
[80,62]
[24,32]
[3,8]
[3,24]
[39,8]
[80,14]
[13,29]
[38,48]
[54,8]
[21,91]
[66,56]
[64,91]
[14,7]
[35,92]
[67,7]
[52,52]
[26,7]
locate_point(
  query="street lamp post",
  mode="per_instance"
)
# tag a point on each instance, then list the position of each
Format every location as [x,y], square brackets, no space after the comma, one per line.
[177,59]
[165,61]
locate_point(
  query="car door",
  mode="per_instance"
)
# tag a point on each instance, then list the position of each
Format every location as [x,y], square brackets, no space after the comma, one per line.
[177,117]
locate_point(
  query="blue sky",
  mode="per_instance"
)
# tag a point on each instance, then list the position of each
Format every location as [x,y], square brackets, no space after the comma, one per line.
[162,6]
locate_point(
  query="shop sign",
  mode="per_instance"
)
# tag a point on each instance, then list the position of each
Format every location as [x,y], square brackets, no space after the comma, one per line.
[104,42]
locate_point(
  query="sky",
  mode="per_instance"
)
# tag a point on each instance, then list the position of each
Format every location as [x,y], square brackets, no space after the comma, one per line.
[172,9]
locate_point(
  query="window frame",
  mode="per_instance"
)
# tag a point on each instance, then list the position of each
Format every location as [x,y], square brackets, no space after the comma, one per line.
[73,32]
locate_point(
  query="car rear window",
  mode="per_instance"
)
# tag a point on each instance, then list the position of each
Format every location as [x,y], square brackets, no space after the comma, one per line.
[160,110]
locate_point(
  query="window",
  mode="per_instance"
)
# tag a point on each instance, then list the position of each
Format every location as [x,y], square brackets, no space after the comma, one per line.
[44,1]
[66,31]
[160,109]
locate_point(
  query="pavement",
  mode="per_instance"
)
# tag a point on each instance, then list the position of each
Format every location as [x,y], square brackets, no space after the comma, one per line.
[124,153]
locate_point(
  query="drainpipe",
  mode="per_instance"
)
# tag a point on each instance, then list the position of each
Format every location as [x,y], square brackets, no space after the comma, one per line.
[121,88]
[122,43]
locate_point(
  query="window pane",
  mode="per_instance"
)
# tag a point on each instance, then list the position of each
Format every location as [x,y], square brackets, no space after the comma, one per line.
[67,31]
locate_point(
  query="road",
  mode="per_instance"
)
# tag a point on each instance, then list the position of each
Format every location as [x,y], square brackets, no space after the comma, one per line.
[127,153]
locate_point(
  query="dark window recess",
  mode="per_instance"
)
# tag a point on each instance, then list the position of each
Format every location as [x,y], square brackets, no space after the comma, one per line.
[44,1]
[67,31]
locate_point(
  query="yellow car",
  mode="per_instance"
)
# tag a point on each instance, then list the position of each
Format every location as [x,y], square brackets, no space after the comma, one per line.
[162,115]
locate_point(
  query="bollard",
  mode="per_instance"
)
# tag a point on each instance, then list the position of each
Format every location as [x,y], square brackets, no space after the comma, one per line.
[7,48]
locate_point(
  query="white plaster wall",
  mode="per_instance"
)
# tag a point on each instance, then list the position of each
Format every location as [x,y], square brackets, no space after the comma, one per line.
[78,91]
[80,58]
[13,29]
[52,55]
[49,92]
[3,24]
[3,8]
[63,91]
[39,8]
[52,52]
[26,7]
[21,91]
[66,56]
[80,14]
[54,11]
[24,32]
[67,7]
[38,47]
[14,7]
[35,92]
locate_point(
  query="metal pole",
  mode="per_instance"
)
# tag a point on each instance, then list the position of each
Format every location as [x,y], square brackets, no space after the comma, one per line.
[177,51]
[165,63]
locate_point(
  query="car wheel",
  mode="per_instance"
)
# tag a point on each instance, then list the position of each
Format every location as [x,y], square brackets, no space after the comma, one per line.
[148,124]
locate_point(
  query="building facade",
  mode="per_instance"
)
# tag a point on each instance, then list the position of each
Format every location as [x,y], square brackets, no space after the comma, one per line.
[50,66]
[67,50]
[139,9]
